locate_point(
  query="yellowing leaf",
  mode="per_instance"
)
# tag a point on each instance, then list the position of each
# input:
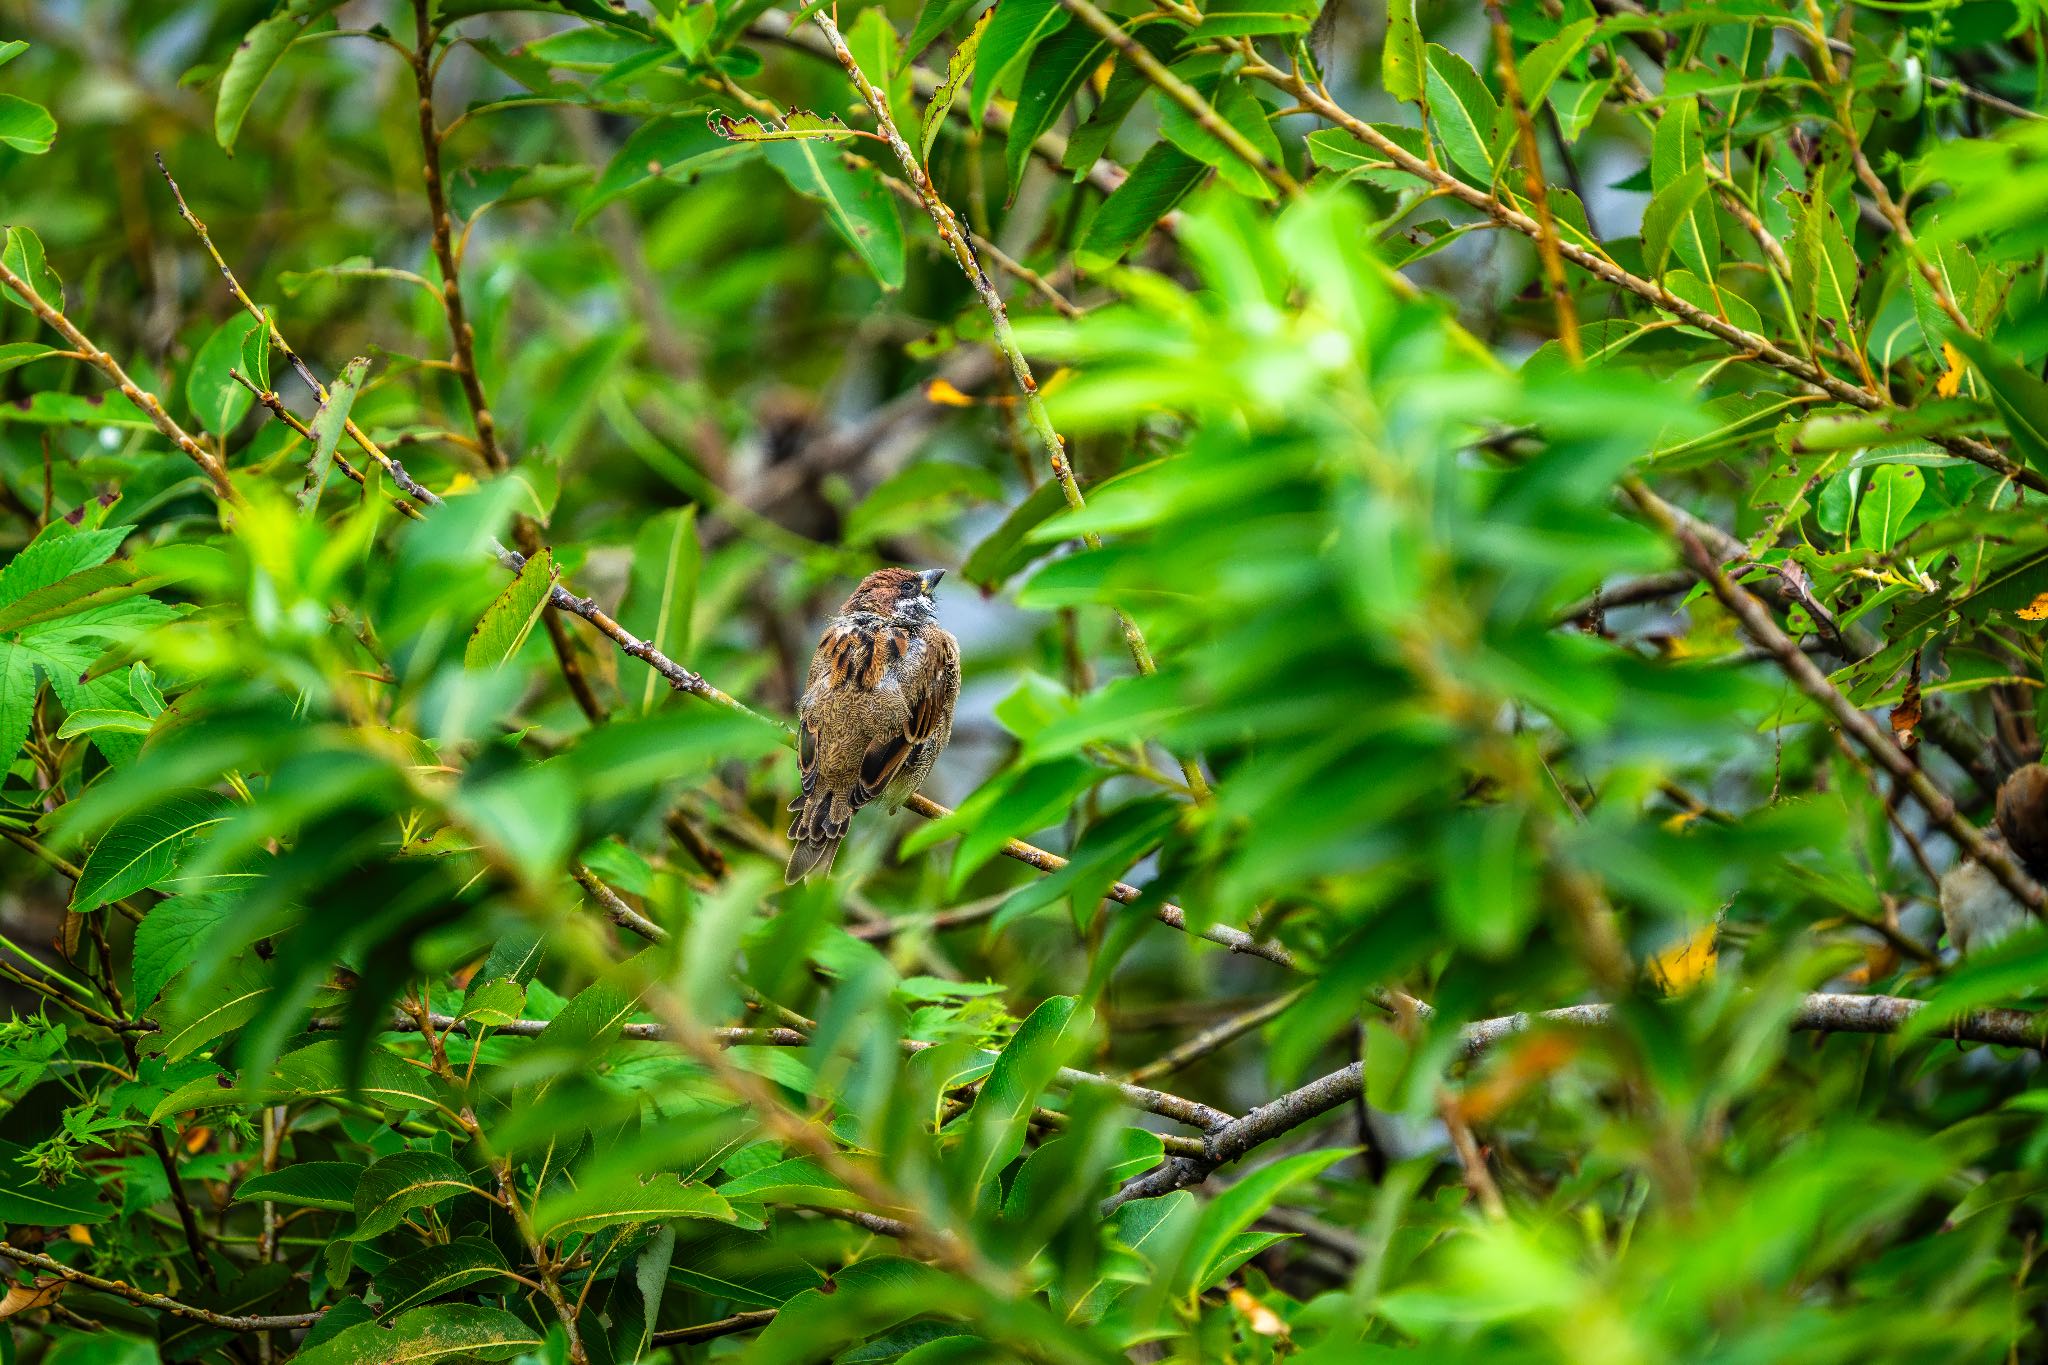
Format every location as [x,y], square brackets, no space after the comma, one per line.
[1951,381]
[1677,970]
[942,393]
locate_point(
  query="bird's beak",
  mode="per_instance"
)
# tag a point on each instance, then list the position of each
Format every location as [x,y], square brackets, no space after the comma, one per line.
[930,578]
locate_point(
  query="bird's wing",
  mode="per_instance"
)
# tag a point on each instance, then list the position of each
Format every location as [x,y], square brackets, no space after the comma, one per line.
[930,690]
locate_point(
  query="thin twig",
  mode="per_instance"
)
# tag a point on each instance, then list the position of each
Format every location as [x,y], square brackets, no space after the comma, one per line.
[279,1322]
[957,238]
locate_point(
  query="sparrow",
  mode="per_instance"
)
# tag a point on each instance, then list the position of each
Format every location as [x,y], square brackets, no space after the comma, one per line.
[1976,908]
[877,708]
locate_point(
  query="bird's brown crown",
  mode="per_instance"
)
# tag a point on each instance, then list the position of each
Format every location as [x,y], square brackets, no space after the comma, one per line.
[894,593]
[2023,816]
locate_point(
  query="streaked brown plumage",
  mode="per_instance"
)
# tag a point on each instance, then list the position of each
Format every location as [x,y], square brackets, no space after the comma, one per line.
[877,708]
[1975,906]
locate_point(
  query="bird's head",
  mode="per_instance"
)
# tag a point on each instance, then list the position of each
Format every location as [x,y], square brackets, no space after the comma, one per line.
[902,596]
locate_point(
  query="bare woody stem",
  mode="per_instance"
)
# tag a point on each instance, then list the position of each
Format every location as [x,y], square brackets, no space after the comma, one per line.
[462,339]
[1538,190]
[1180,92]
[959,240]
[462,334]
[281,1322]
[145,401]
[1817,1013]
[1806,675]
[1741,340]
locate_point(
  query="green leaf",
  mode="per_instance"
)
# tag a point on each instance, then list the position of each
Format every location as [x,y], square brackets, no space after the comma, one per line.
[1054,73]
[1893,492]
[1161,179]
[400,1183]
[216,400]
[958,67]
[511,618]
[661,597]
[10,49]
[1106,852]
[1402,61]
[305,1184]
[17,701]
[94,719]
[1539,70]
[797,1181]
[253,60]
[329,422]
[608,1204]
[1464,111]
[1243,111]
[1004,551]
[195,1013]
[1127,85]
[15,354]
[661,149]
[1242,1204]
[26,127]
[1486,888]
[2021,399]
[861,1300]
[1577,102]
[1017,28]
[857,204]
[317,1071]
[437,1271]
[935,18]
[1823,261]
[1002,1110]
[926,492]
[146,847]
[23,254]
[1223,18]
[1675,221]
[451,1332]
[1678,164]
[103,1347]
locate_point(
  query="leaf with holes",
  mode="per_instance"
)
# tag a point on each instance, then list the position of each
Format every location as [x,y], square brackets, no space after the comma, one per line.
[798,125]
[958,68]
[1402,61]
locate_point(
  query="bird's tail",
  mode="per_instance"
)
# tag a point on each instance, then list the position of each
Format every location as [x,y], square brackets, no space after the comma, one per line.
[818,826]
[810,855]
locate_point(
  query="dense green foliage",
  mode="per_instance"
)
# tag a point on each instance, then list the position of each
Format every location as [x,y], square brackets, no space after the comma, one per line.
[1522,455]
